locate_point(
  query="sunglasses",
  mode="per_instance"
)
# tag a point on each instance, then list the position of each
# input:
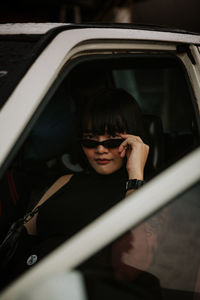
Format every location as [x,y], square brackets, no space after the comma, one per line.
[110,144]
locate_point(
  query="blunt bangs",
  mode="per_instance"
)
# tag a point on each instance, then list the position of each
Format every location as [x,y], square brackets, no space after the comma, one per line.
[99,122]
[111,111]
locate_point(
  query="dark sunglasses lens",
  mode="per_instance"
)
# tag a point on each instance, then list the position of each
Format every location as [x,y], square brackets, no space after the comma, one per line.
[114,143]
[89,143]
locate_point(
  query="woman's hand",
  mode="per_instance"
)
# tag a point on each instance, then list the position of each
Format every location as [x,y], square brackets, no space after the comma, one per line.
[136,152]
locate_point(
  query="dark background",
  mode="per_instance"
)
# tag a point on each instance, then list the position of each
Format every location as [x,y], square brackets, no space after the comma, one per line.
[183,14]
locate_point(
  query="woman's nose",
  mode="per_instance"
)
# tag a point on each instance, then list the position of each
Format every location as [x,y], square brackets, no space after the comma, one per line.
[101,149]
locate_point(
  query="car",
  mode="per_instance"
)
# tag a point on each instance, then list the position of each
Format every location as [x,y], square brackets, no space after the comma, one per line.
[47,70]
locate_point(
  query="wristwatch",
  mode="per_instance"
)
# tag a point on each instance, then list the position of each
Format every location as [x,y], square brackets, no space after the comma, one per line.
[134,184]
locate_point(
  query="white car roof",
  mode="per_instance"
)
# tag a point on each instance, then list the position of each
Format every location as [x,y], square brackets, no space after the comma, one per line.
[27,28]
[42,28]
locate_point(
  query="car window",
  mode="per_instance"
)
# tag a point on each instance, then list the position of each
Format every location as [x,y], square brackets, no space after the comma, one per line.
[49,150]
[158,259]
[158,82]
[161,87]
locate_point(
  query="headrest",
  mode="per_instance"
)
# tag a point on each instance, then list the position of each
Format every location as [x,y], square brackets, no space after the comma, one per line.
[155,134]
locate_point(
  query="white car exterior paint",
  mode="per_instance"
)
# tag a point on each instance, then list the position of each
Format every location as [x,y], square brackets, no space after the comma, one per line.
[140,205]
[195,54]
[28,28]
[27,96]
[41,28]
[194,75]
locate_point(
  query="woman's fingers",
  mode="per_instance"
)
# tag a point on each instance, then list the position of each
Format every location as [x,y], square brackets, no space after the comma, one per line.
[136,152]
[129,140]
[134,138]
[123,153]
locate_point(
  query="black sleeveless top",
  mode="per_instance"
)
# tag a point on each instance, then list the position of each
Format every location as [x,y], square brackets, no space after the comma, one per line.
[84,198]
[76,204]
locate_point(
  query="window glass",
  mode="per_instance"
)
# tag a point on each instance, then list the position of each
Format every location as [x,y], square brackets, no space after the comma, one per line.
[158,259]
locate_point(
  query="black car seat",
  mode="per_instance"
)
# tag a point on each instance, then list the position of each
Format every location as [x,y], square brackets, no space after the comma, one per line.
[155,160]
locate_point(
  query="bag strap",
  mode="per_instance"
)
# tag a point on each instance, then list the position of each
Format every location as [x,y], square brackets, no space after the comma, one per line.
[28,216]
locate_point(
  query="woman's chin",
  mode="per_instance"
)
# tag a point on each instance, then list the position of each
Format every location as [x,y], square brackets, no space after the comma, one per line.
[106,170]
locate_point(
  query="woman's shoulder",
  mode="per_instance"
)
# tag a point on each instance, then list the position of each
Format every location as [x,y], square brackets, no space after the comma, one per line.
[63,179]
[60,183]
[57,185]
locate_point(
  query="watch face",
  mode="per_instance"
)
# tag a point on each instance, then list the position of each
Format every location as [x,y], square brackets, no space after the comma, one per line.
[134,184]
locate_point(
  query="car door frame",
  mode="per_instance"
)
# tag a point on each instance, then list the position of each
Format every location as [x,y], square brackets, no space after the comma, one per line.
[28,97]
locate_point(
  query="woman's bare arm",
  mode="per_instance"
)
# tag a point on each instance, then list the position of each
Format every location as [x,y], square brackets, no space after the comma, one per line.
[31,225]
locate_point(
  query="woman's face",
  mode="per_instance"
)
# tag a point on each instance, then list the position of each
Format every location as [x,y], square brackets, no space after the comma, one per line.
[103,160]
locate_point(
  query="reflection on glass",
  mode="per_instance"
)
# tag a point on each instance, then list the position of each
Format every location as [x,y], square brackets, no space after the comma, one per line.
[159,259]
[136,249]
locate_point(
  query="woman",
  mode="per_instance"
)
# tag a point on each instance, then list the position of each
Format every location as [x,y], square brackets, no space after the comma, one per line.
[110,128]
[113,152]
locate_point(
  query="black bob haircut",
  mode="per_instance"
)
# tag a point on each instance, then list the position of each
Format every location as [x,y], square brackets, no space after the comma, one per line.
[111,111]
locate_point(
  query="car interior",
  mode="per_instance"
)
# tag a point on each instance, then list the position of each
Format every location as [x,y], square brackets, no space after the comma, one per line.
[159,83]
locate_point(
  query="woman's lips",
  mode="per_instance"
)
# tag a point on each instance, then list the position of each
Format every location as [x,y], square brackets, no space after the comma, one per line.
[102,161]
